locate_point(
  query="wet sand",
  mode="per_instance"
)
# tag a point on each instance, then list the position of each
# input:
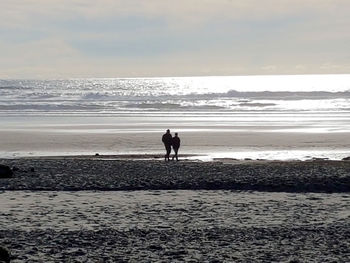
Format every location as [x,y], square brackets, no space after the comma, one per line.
[237,142]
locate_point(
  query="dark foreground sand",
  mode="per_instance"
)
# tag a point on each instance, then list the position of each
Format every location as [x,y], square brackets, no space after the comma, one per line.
[297,211]
[175,226]
[72,174]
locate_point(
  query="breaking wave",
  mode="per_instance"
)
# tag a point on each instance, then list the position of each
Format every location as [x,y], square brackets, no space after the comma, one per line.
[113,95]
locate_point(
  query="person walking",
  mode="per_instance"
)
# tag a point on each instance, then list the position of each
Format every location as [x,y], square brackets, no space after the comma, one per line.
[167,140]
[176,145]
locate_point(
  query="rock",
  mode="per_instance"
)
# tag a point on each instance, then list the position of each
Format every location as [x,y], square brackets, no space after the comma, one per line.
[346,158]
[97,154]
[155,247]
[32,169]
[5,171]
[4,255]
[15,169]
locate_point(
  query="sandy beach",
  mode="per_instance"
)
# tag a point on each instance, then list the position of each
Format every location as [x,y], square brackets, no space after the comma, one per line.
[114,209]
[175,226]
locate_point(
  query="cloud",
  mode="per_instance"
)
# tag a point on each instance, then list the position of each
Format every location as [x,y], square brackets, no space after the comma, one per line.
[161,37]
[189,10]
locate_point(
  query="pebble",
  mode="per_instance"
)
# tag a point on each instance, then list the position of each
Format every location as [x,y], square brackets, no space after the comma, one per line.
[4,255]
[88,174]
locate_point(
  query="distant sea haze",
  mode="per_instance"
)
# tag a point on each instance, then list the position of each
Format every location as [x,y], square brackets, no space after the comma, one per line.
[310,114]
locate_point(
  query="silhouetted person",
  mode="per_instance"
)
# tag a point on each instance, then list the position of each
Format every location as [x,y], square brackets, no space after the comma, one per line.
[167,140]
[176,145]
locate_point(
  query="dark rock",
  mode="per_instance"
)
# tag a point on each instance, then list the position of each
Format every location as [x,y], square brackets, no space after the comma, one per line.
[346,158]
[4,255]
[176,253]
[155,247]
[97,154]
[32,169]
[15,169]
[5,171]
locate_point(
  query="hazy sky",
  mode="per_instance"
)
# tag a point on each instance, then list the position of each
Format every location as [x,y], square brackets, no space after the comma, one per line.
[135,38]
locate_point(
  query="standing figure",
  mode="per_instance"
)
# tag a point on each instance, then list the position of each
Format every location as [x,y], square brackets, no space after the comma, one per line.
[176,145]
[167,140]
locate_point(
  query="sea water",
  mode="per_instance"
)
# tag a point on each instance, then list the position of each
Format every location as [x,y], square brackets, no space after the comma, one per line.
[310,115]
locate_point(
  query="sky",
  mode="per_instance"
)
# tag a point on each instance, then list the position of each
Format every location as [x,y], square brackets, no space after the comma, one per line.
[151,38]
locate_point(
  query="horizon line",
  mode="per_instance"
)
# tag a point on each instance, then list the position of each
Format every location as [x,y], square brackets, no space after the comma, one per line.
[178,77]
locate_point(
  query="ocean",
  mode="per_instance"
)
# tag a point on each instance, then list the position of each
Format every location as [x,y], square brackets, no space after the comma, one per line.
[266,117]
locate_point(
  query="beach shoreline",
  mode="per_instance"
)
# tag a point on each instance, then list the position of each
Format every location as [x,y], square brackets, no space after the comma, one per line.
[158,157]
[240,137]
